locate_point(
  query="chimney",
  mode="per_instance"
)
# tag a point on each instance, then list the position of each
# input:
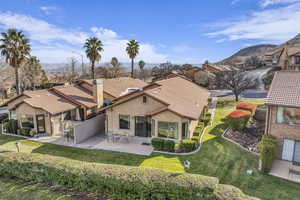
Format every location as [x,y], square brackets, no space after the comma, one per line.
[98,92]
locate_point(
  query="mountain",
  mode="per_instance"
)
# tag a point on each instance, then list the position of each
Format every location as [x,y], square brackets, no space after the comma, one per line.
[295,40]
[243,54]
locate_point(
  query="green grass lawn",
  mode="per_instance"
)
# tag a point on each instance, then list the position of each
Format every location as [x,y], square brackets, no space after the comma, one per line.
[14,190]
[217,157]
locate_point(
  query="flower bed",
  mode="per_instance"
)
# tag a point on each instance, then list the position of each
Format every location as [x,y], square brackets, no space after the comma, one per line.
[247,107]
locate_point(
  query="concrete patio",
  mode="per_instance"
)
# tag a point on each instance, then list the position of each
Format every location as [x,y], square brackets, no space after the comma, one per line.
[281,168]
[134,145]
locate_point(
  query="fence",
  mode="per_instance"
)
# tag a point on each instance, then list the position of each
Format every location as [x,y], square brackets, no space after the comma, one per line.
[89,128]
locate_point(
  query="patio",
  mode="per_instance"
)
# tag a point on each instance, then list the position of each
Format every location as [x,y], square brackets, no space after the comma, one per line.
[134,145]
[282,168]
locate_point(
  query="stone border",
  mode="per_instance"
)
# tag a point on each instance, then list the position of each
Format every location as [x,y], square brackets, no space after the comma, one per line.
[213,112]
[232,141]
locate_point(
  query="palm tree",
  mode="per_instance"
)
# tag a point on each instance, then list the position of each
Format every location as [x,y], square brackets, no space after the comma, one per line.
[142,66]
[15,48]
[93,47]
[132,50]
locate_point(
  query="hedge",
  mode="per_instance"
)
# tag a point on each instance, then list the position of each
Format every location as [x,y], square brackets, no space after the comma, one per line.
[169,145]
[268,147]
[196,139]
[188,145]
[238,119]
[247,107]
[25,131]
[122,182]
[157,143]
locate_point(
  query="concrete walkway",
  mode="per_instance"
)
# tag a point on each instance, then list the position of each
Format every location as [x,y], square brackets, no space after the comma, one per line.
[280,168]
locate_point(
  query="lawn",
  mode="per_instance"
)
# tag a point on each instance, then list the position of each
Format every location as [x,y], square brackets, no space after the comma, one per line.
[14,190]
[217,157]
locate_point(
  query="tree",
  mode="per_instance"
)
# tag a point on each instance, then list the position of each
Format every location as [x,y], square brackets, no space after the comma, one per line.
[16,49]
[73,62]
[236,81]
[253,61]
[142,66]
[132,50]
[93,47]
[116,67]
[163,70]
[33,74]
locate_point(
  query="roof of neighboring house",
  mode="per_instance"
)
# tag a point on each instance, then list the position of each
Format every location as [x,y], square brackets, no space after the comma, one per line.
[285,89]
[118,86]
[180,96]
[221,68]
[77,95]
[48,101]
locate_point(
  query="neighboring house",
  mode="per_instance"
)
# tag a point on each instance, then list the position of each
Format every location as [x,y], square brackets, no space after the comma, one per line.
[218,68]
[169,108]
[50,111]
[283,116]
[287,57]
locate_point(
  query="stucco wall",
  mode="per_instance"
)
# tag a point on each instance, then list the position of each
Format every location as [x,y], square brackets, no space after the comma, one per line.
[281,131]
[24,108]
[89,128]
[135,107]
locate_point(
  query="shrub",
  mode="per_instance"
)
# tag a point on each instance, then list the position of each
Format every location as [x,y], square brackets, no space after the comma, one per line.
[11,126]
[188,145]
[205,120]
[247,107]
[267,152]
[209,100]
[196,139]
[32,133]
[169,145]
[177,148]
[120,182]
[157,143]
[238,119]
[199,129]
[25,131]
[3,117]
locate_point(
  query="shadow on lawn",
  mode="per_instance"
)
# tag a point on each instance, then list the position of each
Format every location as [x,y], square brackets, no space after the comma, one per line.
[90,155]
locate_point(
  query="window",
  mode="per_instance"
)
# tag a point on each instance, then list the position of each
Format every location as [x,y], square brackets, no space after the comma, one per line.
[124,121]
[27,121]
[13,114]
[144,99]
[297,59]
[184,130]
[287,115]
[67,115]
[168,130]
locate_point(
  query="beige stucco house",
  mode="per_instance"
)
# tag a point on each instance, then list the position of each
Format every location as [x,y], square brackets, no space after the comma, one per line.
[283,116]
[169,108]
[50,111]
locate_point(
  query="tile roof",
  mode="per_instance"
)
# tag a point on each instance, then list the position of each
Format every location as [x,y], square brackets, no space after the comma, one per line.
[118,86]
[179,95]
[76,93]
[55,103]
[285,89]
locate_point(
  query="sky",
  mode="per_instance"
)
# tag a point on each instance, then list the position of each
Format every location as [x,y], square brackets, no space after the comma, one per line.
[177,31]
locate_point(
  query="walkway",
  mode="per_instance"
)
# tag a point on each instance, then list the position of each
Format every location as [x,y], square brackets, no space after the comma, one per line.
[280,168]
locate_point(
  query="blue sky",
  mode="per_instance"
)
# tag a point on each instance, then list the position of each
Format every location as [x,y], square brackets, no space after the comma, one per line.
[179,31]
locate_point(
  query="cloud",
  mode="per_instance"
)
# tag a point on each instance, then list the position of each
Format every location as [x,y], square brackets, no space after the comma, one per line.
[181,48]
[233,2]
[272,25]
[265,3]
[54,44]
[48,9]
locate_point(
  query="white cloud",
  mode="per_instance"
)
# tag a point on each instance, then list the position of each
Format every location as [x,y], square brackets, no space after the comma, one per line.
[181,48]
[55,44]
[48,9]
[265,3]
[272,25]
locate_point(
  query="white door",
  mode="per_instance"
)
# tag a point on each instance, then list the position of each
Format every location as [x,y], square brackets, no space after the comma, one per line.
[288,150]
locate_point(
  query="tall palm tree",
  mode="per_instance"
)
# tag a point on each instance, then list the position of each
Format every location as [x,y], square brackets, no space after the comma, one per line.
[93,47]
[16,49]
[132,50]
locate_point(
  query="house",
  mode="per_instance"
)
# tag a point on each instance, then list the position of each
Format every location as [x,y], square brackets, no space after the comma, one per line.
[51,110]
[286,56]
[169,108]
[218,68]
[283,116]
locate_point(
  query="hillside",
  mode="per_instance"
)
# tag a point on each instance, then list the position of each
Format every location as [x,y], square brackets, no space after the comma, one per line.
[243,54]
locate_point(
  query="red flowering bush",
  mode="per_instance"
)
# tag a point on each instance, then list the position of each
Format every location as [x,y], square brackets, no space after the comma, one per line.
[247,107]
[238,119]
